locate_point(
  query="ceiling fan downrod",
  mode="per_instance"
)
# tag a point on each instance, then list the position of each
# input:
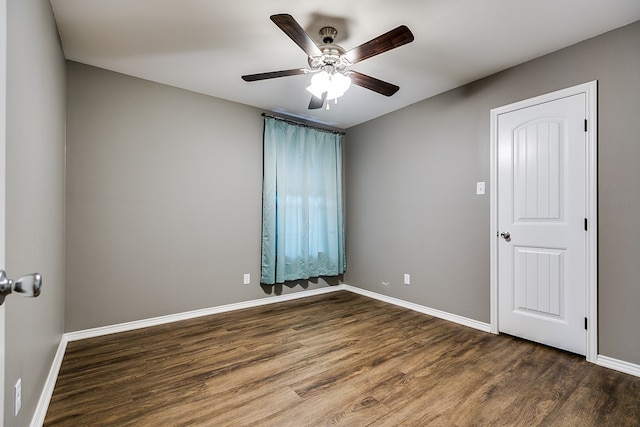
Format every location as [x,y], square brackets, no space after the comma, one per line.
[328,34]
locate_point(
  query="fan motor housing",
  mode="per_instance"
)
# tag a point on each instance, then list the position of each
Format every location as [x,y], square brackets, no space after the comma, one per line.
[332,54]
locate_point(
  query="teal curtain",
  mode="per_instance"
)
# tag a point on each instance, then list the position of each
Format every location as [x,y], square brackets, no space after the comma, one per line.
[302,209]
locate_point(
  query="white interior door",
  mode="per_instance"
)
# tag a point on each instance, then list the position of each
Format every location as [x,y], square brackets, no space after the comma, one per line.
[542,151]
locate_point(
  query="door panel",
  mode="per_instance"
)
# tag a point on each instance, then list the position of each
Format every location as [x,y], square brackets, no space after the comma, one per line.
[538,170]
[538,284]
[542,205]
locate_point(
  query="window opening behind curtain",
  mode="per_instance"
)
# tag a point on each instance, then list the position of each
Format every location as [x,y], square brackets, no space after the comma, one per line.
[302,209]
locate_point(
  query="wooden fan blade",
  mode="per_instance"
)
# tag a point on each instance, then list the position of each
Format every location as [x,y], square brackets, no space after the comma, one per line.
[296,33]
[373,84]
[316,102]
[387,41]
[273,74]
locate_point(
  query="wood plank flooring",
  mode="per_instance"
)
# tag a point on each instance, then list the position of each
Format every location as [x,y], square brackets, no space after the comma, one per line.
[334,359]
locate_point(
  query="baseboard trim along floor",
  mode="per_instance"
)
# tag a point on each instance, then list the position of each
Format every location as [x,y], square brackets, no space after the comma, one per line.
[45,397]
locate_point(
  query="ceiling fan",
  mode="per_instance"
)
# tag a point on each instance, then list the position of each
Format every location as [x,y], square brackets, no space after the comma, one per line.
[329,61]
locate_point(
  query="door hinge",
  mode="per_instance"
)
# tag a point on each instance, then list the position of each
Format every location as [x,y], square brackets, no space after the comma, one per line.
[585,225]
[585,125]
[585,323]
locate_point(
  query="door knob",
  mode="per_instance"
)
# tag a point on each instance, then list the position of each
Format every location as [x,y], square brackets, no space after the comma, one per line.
[505,235]
[28,286]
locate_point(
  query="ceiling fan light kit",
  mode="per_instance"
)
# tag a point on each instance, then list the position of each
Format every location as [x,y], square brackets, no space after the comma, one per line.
[334,83]
[328,61]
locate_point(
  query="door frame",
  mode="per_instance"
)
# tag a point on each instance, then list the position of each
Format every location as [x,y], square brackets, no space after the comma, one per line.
[590,89]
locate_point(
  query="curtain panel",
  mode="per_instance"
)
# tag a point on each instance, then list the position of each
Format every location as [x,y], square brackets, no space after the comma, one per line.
[302,206]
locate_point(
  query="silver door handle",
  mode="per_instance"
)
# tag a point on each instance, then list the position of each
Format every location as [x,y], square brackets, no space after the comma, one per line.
[505,235]
[28,286]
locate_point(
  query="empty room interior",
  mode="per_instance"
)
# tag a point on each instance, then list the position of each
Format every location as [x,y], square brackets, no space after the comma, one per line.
[483,261]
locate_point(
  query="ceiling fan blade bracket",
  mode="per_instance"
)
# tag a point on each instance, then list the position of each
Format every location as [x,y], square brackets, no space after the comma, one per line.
[316,62]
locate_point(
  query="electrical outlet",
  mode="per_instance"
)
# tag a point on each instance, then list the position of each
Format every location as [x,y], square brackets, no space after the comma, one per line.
[407,279]
[247,279]
[480,188]
[17,396]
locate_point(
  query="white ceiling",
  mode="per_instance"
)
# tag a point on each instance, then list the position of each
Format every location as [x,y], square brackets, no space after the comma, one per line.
[206,45]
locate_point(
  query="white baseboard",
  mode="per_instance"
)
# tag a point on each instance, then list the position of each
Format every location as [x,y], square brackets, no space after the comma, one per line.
[618,365]
[161,320]
[45,397]
[485,327]
[47,391]
[145,323]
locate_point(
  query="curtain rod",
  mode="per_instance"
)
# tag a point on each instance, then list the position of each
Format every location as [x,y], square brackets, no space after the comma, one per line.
[288,120]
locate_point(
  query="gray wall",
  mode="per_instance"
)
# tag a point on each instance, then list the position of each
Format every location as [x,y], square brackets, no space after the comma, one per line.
[411,200]
[35,198]
[164,193]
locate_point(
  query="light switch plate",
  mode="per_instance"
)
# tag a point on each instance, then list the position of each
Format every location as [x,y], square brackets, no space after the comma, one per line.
[480,187]
[247,279]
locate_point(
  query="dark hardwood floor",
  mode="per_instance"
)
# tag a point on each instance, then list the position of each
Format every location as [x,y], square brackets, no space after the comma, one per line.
[338,358]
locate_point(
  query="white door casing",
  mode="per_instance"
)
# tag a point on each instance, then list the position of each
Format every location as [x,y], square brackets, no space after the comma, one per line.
[543,186]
